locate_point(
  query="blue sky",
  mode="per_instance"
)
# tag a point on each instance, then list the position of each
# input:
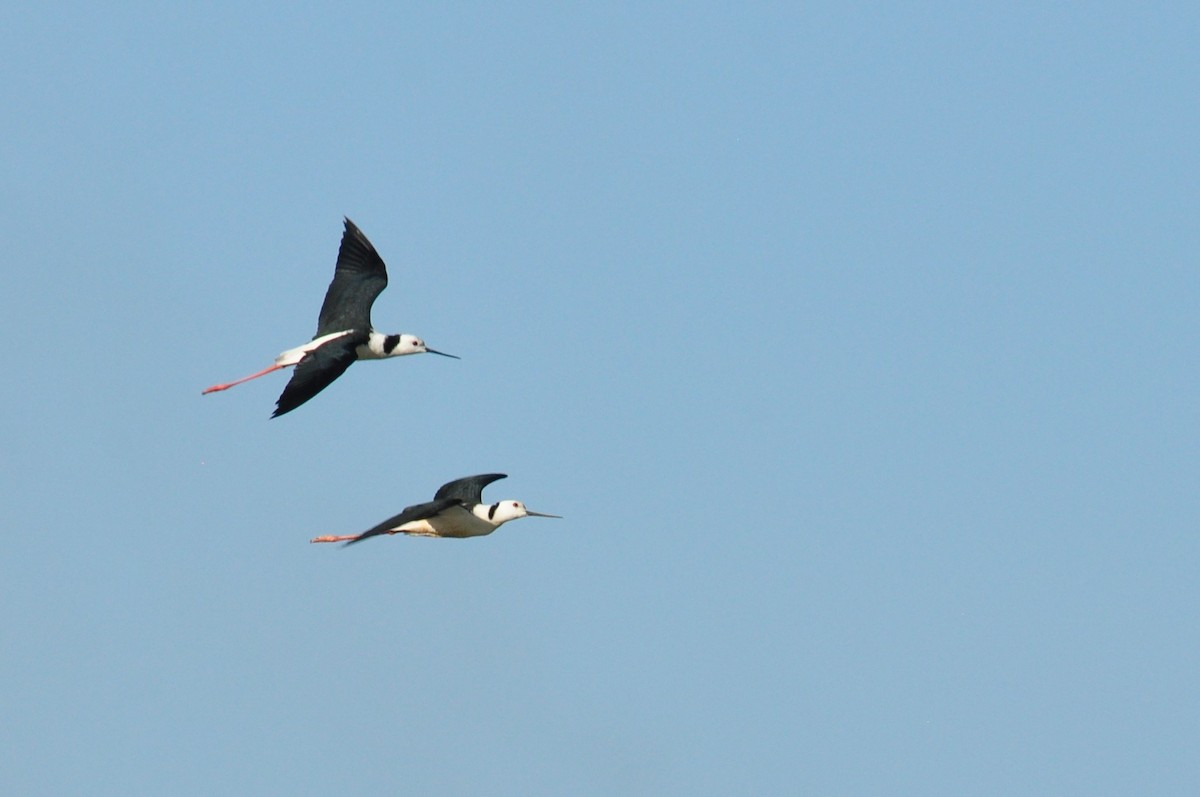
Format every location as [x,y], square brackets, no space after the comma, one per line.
[856,345]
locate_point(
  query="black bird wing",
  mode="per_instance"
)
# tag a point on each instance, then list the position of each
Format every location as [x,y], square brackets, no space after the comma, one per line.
[317,371]
[358,280]
[468,490]
[411,513]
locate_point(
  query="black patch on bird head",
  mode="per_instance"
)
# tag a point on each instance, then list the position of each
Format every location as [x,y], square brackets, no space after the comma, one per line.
[390,343]
[492,510]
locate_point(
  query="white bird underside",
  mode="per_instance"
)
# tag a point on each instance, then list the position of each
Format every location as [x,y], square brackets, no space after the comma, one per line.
[374,349]
[453,522]
[293,356]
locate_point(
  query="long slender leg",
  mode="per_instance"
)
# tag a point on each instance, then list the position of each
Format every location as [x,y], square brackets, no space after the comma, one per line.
[346,537]
[228,385]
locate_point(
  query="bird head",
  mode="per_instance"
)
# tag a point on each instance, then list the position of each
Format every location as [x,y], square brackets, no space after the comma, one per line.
[511,510]
[411,344]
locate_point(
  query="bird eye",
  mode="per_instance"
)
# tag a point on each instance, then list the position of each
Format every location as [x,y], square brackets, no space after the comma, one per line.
[515,504]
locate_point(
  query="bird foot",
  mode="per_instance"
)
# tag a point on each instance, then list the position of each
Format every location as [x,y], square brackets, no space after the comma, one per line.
[334,538]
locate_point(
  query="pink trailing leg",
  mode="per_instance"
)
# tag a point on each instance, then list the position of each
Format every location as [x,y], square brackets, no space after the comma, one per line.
[335,538]
[228,385]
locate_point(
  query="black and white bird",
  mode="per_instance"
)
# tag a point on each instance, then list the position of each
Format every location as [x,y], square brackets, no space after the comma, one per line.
[457,510]
[344,331]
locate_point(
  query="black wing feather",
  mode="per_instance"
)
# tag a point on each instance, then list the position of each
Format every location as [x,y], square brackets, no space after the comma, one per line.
[358,280]
[411,513]
[468,490]
[317,371]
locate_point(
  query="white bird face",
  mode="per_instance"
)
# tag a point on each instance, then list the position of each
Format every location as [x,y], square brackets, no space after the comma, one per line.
[411,344]
[408,344]
[511,510]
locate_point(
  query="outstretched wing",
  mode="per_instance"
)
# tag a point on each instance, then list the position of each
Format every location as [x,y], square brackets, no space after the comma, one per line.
[358,280]
[414,512]
[317,371]
[469,490]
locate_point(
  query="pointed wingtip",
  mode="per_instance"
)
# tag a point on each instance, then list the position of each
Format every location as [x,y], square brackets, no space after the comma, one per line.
[281,410]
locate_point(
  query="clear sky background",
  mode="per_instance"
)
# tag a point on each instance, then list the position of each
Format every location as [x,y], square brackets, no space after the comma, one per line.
[857,345]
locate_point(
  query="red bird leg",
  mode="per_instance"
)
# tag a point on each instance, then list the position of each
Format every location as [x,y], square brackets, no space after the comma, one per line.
[335,538]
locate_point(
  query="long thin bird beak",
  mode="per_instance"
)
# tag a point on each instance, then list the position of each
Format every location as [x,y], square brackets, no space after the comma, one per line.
[435,351]
[541,514]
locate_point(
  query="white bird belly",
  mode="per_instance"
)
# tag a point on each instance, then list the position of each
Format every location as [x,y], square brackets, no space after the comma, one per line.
[456,522]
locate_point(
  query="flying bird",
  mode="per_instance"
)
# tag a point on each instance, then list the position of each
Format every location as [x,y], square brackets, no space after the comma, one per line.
[457,510]
[344,330]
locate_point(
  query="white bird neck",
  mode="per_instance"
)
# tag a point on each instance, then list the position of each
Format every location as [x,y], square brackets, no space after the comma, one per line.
[492,514]
[500,512]
[380,346]
[482,511]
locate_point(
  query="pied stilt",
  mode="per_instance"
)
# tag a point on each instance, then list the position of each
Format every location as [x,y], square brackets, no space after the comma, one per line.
[344,331]
[457,510]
